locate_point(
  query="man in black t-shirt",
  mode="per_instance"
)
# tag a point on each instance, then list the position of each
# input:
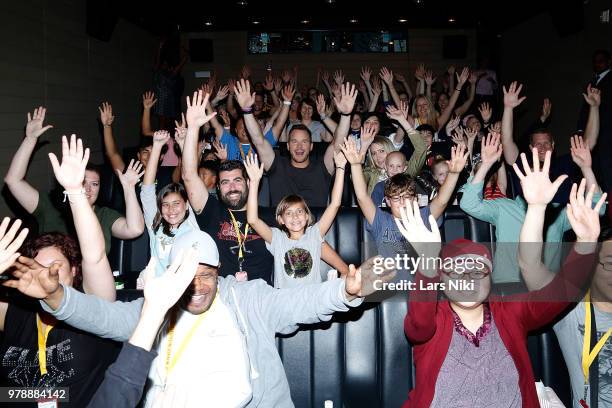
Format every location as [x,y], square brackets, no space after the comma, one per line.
[298,174]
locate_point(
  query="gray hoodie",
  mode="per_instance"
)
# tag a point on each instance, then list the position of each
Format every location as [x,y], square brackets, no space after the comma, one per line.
[261,312]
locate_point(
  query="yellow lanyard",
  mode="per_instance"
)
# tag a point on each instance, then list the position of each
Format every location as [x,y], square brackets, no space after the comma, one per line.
[242,152]
[171,362]
[42,344]
[589,357]
[241,238]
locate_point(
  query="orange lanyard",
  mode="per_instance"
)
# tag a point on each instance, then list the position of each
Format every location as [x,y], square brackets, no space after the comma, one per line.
[42,344]
[242,152]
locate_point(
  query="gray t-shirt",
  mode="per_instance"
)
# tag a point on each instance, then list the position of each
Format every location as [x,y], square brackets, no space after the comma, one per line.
[570,333]
[317,129]
[296,262]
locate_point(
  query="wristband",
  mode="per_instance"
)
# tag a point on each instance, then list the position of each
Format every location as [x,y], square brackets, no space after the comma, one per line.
[340,168]
[345,114]
[107,126]
[247,110]
[68,194]
[288,103]
[458,89]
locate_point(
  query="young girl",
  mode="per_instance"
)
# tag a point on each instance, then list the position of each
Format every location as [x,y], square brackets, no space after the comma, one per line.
[296,246]
[167,216]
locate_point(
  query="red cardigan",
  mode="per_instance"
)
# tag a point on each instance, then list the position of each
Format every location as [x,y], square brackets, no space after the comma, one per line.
[429,326]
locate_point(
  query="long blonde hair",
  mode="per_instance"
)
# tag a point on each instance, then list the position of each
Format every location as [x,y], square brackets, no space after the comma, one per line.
[385,143]
[432,116]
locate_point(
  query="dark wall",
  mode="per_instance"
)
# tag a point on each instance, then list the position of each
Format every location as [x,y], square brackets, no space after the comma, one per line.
[47,59]
[554,66]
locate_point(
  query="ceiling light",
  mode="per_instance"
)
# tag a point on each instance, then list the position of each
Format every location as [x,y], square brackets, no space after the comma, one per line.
[305,21]
[208,22]
[402,20]
[242,3]
[353,21]
[330,1]
[419,2]
[255,21]
[451,20]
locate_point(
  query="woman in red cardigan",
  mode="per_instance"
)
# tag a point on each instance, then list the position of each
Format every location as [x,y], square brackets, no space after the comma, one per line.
[470,349]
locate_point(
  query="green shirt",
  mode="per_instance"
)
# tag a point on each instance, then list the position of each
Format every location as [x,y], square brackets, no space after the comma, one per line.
[50,219]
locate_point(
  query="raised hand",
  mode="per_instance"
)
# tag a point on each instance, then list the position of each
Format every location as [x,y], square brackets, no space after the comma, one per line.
[366,73]
[220,150]
[9,245]
[325,76]
[225,117]
[583,218]
[287,76]
[132,174]
[148,100]
[459,156]
[458,139]
[196,110]
[425,241]
[71,173]
[419,73]
[452,124]
[35,128]
[376,87]
[429,78]
[222,93]
[362,87]
[253,168]
[33,279]
[511,96]
[491,149]
[451,70]
[485,111]
[231,84]
[245,72]
[340,159]
[473,78]
[359,282]
[206,89]
[581,154]
[496,127]
[593,96]
[180,131]
[400,77]
[278,85]
[367,136]
[346,102]
[470,134]
[349,149]
[536,184]
[245,98]
[546,109]
[394,113]
[162,292]
[463,77]
[160,138]
[321,105]
[386,75]
[339,77]
[268,84]
[106,114]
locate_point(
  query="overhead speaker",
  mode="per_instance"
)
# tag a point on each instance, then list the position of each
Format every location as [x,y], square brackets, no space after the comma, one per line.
[201,50]
[101,19]
[454,46]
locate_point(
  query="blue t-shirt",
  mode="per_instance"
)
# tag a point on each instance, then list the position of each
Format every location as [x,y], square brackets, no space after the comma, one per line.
[389,240]
[233,145]
[378,194]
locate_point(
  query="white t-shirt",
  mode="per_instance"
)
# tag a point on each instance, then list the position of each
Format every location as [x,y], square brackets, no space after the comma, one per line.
[212,371]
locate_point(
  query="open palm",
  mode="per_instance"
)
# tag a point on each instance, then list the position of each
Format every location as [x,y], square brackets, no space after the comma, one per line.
[71,172]
[33,279]
[536,184]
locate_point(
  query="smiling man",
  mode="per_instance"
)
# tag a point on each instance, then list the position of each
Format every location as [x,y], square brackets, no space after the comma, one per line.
[216,346]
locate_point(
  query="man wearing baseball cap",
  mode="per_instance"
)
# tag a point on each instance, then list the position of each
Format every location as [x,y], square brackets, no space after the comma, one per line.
[216,346]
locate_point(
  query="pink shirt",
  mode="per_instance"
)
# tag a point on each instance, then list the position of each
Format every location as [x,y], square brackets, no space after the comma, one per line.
[170,158]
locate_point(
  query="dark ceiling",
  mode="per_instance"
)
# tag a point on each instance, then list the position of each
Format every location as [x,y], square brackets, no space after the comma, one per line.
[492,16]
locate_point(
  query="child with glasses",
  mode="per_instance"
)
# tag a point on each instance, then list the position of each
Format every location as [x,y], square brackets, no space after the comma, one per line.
[297,244]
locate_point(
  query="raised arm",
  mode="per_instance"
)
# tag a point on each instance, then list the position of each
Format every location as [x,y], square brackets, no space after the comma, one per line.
[355,158]
[246,100]
[196,116]
[160,138]
[97,274]
[328,217]
[23,191]
[387,76]
[581,155]
[345,103]
[430,79]
[110,146]
[132,225]
[461,110]
[279,124]
[405,84]
[446,113]
[511,101]
[255,172]
[148,100]
[419,74]
[459,156]
[593,99]
[376,91]
[322,111]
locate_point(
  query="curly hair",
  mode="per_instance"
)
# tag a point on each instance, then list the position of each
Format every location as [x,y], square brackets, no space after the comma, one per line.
[67,245]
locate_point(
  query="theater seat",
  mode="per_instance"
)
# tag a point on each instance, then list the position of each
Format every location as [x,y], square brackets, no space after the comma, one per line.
[458,224]
[363,359]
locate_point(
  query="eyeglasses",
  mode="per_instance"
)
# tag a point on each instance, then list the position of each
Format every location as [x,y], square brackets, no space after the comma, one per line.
[476,274]
[607,266]
[397,199]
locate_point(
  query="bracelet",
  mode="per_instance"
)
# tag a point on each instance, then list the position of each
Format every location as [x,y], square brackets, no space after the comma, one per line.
[458,89]
[288,103]
[107,126]
[69,194]
[345,114]
[323,117]
[340,168]
[247,110]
